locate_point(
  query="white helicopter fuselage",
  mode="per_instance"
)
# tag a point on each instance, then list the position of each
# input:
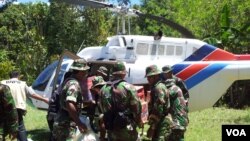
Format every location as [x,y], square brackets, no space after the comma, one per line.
[207,71]
[138,52]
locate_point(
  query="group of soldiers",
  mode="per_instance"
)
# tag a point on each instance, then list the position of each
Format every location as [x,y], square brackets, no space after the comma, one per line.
[120,107]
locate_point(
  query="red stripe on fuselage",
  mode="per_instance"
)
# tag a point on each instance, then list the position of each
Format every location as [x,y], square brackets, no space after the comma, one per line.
[191,70]
[219,55]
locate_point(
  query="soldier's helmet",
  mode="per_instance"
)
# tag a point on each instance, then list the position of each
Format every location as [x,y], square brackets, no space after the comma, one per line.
[97,81]
[166,69]
[152,70]
[169,82]
[79,64]
[119,68]
[103,70]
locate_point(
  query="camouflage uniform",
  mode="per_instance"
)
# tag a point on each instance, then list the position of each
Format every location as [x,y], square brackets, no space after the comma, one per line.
[178,111]
[64,127]
[158,108]
[8,113]
[178,81]
[125,105]
[104,103]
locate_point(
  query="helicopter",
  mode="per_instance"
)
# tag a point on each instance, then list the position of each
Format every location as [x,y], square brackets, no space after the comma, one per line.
[208,72]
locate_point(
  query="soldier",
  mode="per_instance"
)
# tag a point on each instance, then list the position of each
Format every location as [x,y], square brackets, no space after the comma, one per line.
[8,114]
[168,74]
[100,87]
[125,106]
[159,105]
[71,100]
[103,71]
[19,91]
[54,106]
[178,111]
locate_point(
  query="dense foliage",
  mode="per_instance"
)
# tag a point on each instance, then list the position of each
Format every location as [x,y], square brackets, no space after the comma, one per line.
[33,35]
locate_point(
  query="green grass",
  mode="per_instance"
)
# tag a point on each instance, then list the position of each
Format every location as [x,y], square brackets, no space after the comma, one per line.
[36,124]
[204,125]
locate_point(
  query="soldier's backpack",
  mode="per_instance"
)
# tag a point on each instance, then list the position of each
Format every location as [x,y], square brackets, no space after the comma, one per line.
[54,102]
[118,116]
[179,82]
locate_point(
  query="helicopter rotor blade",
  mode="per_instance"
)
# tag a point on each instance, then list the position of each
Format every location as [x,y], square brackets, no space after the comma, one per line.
[132,12]
[90,3]
[184,31]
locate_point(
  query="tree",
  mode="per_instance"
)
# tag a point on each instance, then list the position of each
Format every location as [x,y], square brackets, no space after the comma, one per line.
[21,28]
[231,38]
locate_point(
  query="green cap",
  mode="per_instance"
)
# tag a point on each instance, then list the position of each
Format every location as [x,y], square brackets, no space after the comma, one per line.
[98,80]
[169,82]
[152,70]
[119,68]
[166,69]
[103,70]
[79,64]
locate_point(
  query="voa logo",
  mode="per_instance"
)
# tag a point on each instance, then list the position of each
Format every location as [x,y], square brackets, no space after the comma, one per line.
[236,132]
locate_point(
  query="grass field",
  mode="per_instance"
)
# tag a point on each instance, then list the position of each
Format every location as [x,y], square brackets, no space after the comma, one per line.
[204,125]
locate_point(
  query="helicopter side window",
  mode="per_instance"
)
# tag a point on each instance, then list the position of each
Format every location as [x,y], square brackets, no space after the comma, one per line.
[42,80]
[142,49]
[178,50]
[153,49]
[170,50]
[161,50]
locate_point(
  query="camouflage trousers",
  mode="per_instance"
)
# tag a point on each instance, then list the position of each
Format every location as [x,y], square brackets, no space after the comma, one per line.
[163,130]
[124,134]
[64,131]
[176,135]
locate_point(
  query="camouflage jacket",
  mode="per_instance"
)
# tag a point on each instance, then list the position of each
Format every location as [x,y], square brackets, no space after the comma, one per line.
[159,103]
[178,108]
[71,91]
[105,98]
[124,98]
[8,112]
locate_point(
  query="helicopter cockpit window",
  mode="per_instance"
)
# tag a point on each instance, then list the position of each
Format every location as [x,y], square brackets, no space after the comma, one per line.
[114,42]
[142,49]
[170,50]
[153,49]
[44,77]
[161,50]
[178,50]
[61,74]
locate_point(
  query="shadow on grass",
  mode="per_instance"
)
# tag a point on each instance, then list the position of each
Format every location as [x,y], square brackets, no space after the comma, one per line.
[39,134]
[244,119]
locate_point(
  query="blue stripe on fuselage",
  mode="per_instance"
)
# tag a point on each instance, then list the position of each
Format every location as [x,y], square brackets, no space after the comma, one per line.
[179,67]
[204,74]
[202,52]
